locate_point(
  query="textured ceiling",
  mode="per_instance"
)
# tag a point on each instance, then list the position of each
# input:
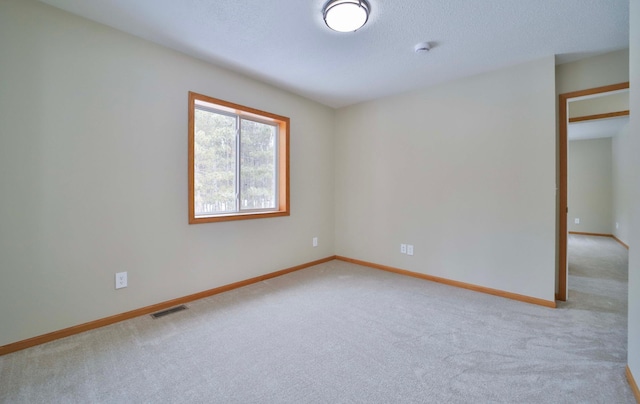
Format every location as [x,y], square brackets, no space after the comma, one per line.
[285,42]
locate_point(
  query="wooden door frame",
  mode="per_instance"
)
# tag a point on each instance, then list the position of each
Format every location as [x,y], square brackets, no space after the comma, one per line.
[563,157]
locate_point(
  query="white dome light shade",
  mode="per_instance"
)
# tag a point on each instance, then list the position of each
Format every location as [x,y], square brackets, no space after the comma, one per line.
[346,15]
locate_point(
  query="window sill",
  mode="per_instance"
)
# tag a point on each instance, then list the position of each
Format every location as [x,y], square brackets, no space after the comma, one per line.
[237,216]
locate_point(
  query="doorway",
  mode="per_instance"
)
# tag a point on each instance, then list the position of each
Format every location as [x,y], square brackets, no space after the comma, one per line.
[563,208]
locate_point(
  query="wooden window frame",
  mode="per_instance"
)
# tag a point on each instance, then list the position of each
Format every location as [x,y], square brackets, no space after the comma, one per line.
[283,123]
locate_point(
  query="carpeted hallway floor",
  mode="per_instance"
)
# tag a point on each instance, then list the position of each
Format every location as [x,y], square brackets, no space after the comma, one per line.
[341,333]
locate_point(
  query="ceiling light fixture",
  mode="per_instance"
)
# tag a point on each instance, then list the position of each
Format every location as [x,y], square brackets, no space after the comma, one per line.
[345,15]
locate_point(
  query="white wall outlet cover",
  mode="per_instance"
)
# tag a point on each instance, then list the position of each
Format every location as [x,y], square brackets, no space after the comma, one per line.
[617,225]
[315,241]
[121,280]
[409,249]
[403,248]
[576,220]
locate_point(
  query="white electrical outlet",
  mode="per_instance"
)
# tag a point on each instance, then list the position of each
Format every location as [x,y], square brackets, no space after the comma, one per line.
[315,241]
[409,249]
[403,248]
[121,280]
[617,225]
[576,220]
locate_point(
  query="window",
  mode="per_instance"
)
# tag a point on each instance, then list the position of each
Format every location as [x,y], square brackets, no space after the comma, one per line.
[238,162]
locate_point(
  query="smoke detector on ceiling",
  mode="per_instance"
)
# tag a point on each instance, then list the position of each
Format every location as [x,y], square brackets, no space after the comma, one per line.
[422,47]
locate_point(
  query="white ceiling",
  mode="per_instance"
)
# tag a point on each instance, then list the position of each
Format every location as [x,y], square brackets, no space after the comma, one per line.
[596,129]
[285,42]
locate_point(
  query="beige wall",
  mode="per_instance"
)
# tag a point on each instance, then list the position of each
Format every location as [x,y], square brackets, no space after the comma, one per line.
[93,175]
[464,171]
[634,238]
[622,170]
[590,185]
[615,102]
[596,71]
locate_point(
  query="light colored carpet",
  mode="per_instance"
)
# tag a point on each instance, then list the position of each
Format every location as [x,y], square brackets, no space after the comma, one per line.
[341,333]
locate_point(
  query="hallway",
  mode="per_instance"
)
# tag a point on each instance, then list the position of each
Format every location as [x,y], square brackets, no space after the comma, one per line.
[598,275]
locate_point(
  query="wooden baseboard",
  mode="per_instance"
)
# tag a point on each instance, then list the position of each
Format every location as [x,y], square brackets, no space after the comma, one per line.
[633,384]
[77,329]
[583,233]
[620,241]
[476,288]
[601,235]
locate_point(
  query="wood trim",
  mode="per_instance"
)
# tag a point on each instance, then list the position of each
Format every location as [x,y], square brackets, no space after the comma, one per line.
[597,90]
[191,160]
[283,123]
[77,329]
[598,116]
[601,235]
[476,288]
[620,241]
[562,181]
[236,216]
[284,173]
[633,384]
[582,233]
[561,292]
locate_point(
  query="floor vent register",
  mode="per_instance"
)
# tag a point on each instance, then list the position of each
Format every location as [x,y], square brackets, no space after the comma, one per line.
[169,311]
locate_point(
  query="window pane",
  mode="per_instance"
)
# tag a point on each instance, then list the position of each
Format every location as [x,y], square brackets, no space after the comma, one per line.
[257,165]
[215,163]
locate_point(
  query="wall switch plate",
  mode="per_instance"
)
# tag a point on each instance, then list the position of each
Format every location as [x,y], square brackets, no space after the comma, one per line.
[121,280]
[409,249]
[315,241]
[403,248]
[617,225]
[576,220]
